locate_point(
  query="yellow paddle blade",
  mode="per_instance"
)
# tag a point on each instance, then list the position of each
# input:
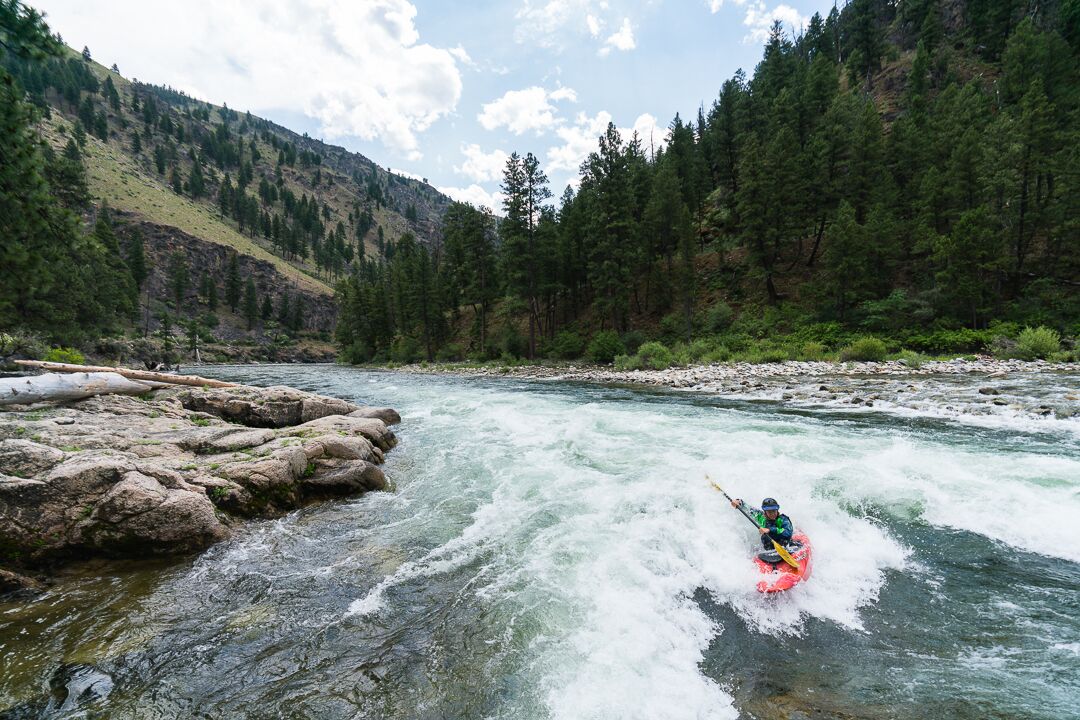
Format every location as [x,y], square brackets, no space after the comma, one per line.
[785,555]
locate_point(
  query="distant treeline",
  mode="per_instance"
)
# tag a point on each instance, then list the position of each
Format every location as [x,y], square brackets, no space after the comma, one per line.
[895,166]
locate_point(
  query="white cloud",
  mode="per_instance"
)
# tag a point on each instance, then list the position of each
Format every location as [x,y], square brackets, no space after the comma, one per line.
[460,53]
[715,5]
[582,138]
[760,19]
[555,24]
[623,39]
[358,68]
[593,24]
[406,173]
[475,195]
[523,110]
[480,166]
[579,140]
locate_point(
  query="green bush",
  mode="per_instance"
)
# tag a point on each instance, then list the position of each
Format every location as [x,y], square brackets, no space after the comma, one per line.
[939,342]
[655,355]
[628,362]
[719,354]
[65,355]
[773,355]
[605,346]
[633,339]
[912,359]
[356,353]
[813,351]
[567,345]
[699,348]
[450,352]
[867,348]
[718,317]
[1037,343]
[673,326]
[405,349]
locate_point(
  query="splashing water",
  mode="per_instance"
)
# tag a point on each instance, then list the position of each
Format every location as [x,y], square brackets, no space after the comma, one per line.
[554,551]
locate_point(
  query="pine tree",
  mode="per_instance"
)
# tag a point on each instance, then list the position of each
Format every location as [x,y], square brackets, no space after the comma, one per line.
[136,257]
[251,303]
[232,283]
[267,311]
[178,278]
[196,184]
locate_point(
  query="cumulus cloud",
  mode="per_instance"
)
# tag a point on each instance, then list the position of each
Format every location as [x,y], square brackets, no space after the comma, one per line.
[358,68]
[554,24]
[475,195]
[715,5]
[622,39]
[523,110]
[581,138]
[480,166]
[760,19]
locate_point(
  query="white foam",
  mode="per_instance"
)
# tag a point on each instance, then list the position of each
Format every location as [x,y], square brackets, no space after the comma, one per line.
[596,521]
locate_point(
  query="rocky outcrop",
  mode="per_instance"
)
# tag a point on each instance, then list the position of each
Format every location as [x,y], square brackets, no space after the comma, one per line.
[172,472]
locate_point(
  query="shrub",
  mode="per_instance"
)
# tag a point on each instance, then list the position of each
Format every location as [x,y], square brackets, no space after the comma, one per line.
[655,355]
[813,351]
[673,325]
[356,353]
[718,317]
[912,359]
[699,349]
[628,362]
[568,345]
[65,355]
[867,348]
[450,352]
[633,340]
[405,349]
[773,355]
[1003,346]
[719,354]
[1037,343]
[605,346]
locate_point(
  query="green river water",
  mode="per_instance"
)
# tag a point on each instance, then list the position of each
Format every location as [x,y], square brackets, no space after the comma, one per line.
[552,550]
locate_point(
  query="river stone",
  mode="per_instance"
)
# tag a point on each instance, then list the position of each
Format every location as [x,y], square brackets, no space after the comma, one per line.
[272,407]
[24,458]
[164,474]
[389,416]
[12,583]
[989,391]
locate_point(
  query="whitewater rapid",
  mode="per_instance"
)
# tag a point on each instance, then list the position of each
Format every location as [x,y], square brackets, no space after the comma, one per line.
[554,550]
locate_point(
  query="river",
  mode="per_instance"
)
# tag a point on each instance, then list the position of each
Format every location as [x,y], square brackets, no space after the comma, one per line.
[552,550]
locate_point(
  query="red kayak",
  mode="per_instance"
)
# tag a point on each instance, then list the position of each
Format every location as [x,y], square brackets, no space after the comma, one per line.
[783,576]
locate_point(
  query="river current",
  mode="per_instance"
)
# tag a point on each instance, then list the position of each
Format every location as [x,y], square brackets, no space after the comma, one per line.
[553,550]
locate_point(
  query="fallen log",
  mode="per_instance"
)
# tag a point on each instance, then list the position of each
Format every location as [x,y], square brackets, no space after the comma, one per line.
[54,387]
[130,374]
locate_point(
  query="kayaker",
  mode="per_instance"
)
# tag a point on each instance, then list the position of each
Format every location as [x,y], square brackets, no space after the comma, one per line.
[771,524]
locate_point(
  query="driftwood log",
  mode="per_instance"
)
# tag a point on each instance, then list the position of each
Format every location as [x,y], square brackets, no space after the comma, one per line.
[53,387]
[143,375]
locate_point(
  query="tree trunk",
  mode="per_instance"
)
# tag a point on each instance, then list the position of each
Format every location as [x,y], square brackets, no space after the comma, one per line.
[54,387]
[130,374]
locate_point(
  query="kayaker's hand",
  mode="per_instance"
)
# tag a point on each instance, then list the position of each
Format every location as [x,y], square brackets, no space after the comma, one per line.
[762,531]
[736,503]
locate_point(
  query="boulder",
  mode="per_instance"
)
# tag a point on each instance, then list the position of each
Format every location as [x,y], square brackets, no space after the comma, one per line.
[165,474]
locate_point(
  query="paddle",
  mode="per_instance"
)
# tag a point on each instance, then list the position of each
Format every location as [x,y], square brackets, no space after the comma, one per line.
[784,554]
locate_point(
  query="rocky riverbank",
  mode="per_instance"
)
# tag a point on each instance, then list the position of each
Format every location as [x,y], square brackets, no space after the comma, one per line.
[173,471]
[978,390]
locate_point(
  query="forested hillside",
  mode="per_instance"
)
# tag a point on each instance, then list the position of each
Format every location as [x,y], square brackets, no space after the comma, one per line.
[130,209]
[906,171]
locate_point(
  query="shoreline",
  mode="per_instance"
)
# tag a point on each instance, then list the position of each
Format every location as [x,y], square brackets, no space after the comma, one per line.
[172,471]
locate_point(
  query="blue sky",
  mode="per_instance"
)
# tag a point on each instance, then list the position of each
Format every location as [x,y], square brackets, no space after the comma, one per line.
[436,89]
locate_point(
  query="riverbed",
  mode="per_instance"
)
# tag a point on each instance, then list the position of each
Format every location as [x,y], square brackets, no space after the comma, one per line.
[553,550]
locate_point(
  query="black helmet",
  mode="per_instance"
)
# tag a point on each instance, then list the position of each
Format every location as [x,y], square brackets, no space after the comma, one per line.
[770,504]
